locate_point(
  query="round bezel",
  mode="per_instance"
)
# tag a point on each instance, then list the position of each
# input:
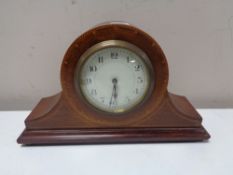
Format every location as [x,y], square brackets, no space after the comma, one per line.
[111,44]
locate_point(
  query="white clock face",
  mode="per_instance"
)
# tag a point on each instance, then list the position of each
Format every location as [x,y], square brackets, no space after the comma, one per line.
[113,78]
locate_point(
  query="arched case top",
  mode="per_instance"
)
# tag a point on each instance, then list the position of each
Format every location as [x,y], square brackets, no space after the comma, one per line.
[66,119]
[120,32]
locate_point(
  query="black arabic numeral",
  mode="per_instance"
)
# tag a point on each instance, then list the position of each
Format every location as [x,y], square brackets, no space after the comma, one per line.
[92,68]
[114,55]
[100,59]
[93,92]
[140,80]
[87,81]
[102,99]
[138,67]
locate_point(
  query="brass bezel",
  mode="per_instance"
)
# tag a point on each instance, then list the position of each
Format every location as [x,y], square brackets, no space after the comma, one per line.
[122,44]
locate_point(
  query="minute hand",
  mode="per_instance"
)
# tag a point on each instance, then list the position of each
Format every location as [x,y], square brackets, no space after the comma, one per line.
[114,92]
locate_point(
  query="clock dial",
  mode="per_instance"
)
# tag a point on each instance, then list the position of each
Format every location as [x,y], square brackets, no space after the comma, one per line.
[114,76]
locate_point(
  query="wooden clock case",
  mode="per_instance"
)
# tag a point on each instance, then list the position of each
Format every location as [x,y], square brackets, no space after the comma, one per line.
[66,118]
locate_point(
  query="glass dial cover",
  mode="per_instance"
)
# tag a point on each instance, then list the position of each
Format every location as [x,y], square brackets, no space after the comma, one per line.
[113,76]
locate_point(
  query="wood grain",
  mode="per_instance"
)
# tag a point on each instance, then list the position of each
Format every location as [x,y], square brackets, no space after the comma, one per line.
[66,118]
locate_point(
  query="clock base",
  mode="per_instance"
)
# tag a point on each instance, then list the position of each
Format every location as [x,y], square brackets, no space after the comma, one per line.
[53,122]
[108,136]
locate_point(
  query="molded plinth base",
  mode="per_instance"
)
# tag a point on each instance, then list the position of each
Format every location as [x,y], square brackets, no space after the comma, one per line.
[106,136]
[53,122]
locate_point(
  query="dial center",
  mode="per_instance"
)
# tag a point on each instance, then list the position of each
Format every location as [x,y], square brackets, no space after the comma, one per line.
[114,80]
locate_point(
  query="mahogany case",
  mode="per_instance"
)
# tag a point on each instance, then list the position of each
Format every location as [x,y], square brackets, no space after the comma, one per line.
[66,118]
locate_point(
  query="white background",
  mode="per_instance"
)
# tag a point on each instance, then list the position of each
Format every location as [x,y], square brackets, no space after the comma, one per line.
[201,158]
[196,36]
